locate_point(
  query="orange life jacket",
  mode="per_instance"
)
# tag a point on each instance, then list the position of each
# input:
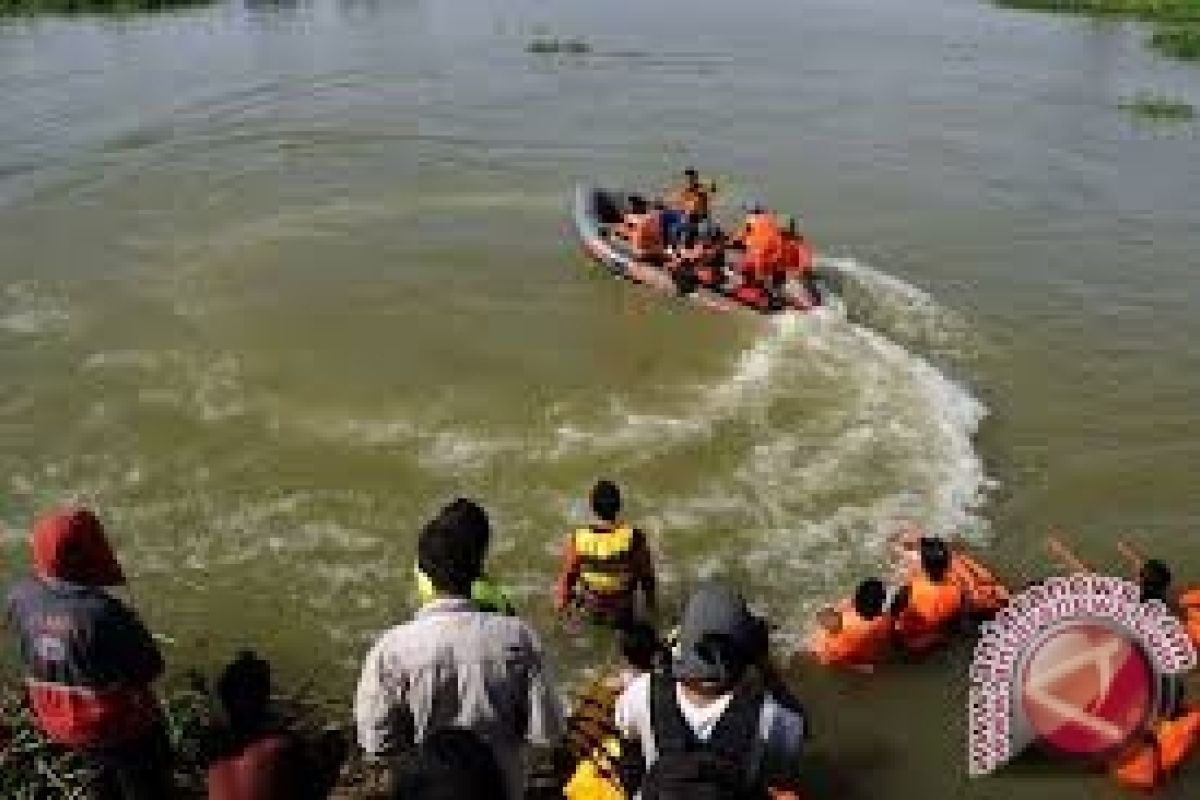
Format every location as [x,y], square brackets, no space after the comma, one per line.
[797,257]
[1189,608]
[984,594]
[859,642]
[764,243]
[1148,763]
[931,608]
[644,233]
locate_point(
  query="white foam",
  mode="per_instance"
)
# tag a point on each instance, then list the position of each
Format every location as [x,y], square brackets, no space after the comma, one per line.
[28,310]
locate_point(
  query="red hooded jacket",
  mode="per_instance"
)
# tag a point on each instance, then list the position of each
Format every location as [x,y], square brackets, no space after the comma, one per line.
[89,660]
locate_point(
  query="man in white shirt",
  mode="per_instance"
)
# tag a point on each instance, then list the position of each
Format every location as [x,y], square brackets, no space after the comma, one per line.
[708,727]
[453,665]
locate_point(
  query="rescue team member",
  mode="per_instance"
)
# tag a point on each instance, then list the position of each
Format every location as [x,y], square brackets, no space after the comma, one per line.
[453,665]
[693,198]
[603,770]
[1153,757]
[258,758]
[983,592]
[706,728]
[642,231]
[467,516]
[762,240]
[1154,577]
[606,565]
[89,660]
[857,634]
[797,262]
[927,608]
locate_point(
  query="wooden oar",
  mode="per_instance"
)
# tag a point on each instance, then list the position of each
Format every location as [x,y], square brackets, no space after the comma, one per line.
[1064,555]
[1132,556]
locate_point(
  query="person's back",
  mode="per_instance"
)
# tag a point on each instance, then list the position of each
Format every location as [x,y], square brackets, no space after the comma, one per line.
[89,660]
[931,603]
[863,631]
[763,240]
[453,665]
[258,757]
[704,728]
[606,564]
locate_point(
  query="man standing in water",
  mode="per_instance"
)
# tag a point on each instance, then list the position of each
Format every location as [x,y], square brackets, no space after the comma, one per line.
[89,661]
[606,564]
[455,665]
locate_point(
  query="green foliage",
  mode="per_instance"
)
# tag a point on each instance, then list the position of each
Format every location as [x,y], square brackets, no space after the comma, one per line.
[1179,41]
[30,767]
[1177,22]
[1156,107]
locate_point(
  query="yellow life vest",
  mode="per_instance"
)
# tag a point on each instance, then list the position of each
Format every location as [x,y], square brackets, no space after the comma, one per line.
[605,560]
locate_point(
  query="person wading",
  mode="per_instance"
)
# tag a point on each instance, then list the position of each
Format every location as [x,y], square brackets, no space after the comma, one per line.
[454,665]
[606,565]
[929,606]
[90,661]
[857,634]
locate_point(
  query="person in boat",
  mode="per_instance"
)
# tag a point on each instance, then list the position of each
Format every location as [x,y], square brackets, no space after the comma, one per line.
[642,230]
[930,605]
[761,239]
[693,198]
[855,634]
[1157,754]
[797,262]
[607,565]
[686,258]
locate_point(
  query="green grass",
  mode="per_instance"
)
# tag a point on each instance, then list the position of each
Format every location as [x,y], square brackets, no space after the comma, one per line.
[1147,105]
[1179,41]
[1176,22]
[14,8]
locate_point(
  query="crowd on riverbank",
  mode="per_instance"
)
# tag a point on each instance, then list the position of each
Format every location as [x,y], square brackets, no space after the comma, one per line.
[460,700]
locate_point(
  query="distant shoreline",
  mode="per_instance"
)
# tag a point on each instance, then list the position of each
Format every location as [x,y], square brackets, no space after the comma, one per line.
[1176,23]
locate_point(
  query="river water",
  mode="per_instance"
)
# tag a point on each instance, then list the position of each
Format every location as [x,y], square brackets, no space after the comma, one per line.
[276,280]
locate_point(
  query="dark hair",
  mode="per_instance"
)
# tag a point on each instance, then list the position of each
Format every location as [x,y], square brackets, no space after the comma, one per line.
[448,556]
[935,557]
[637,204]
[640,646]
[606,500]
[869,598]
[244,689]
[1155,578]
[470,520]
[451,764]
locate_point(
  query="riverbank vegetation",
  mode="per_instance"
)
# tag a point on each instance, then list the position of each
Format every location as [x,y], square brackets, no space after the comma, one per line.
[1177,22]
[1149,106]
[31,7]
[32,768]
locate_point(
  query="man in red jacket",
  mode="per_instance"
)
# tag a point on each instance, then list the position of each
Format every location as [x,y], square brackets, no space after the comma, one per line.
[89,661]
